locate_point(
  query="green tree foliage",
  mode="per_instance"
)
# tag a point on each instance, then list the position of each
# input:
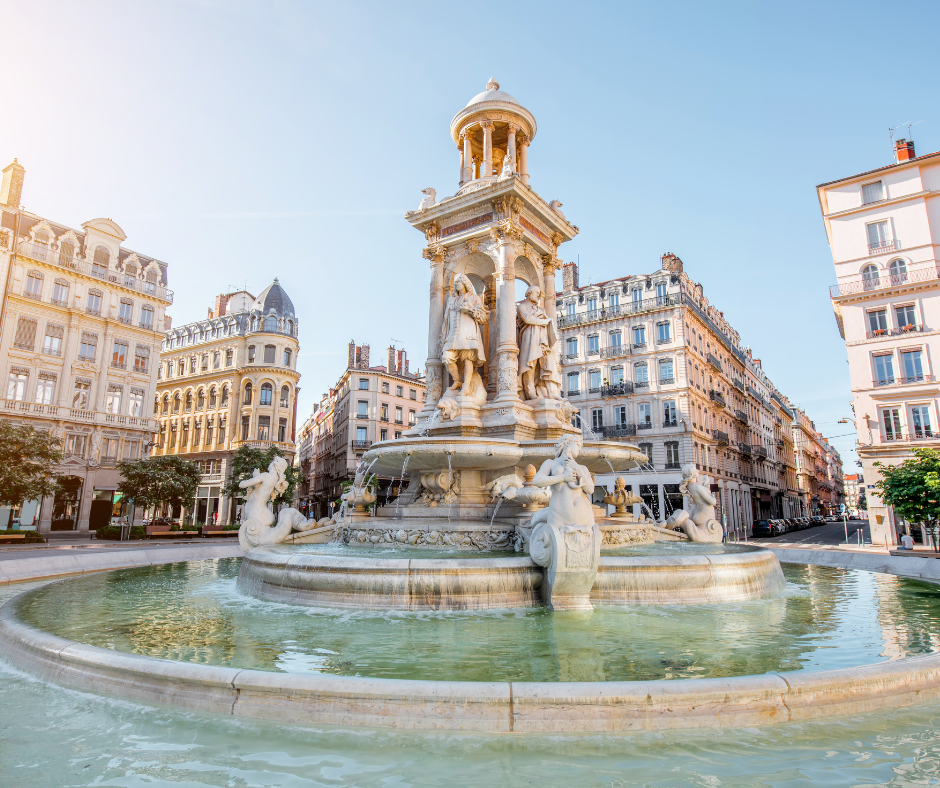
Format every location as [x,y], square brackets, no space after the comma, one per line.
[913,488]
[155,480]
[246,459]
[28,458]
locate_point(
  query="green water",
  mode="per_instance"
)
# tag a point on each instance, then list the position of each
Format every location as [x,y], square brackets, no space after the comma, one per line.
[829,619]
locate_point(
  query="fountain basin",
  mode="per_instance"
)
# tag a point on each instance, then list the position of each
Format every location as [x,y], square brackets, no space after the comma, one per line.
[385,580]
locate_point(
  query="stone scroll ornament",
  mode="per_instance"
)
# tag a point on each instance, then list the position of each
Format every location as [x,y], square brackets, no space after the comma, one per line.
[538,371]
[564,538]
[699,524]
[257,526]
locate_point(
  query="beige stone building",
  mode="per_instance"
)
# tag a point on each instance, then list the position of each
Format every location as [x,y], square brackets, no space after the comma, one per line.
[226,381]
[81,319]
[368,404]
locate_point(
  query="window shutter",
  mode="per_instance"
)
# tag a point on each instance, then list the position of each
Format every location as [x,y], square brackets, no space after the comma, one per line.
[25,334]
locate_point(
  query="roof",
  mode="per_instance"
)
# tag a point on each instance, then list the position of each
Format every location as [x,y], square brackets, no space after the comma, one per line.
[492,93]
[274,298]
[880,169]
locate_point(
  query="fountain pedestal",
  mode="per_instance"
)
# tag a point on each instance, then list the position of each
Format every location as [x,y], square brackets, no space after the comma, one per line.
[571,555]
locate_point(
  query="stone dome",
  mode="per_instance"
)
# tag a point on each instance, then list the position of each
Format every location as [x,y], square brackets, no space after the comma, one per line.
[274,297]
[492,93]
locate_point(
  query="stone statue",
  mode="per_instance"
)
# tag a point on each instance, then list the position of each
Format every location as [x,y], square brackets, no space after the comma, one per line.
[429,199]
[509,168]
[564,538]
[462,348]
[621,497]
[95,450]
[258,513]
[538,373]
[700,524]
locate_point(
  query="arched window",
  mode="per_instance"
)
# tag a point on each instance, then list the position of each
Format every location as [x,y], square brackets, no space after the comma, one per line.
[247,399]
[270,323]
[189,401]
[156,405]
[224,402]
[99,267]
[66,253]
[166,404]
[898,270]
[290,327]
[870,278]
[200,400]
[212,397]
[266,392]
[176,403]
[285,396]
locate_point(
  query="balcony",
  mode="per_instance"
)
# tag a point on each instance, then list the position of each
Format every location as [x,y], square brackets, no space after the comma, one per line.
[641,384]
[717,396]
[759,451]
[619,431]
[594,390]
[721,437]
[644,425]
[399,421]
[118,365]
[75,414]
[780,443]
[713,360]
[883,246]
[666,381]
[741,416]
[617,389]
[745,449]
[865,284]
[58,302]
[638,345]
[926,435]
[756,395]
[571,356]
[362,416]
[615,351]
[574,392]
[50,256]
[264,444]
[737,383]
[95,312]
[360,445]
[894,332]
[622,310]
[904,380]
[593,352]
[668,423]
[672,466]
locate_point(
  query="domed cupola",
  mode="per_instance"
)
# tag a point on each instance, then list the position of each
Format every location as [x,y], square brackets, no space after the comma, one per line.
[274,299]
[492,133]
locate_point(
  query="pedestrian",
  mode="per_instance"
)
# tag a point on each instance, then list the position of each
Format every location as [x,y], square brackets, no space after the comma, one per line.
[907,542]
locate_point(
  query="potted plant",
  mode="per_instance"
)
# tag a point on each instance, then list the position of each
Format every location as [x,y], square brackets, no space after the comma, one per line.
[908,327]
[878,332]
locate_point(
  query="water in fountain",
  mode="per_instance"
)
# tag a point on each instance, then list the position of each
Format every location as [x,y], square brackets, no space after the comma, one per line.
[498,502]
[448,495]
[429,422]
[404,467]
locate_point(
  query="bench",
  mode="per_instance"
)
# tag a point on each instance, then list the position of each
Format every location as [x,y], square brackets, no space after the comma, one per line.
[914,553]
[218,532]
[172,534]
[9,537]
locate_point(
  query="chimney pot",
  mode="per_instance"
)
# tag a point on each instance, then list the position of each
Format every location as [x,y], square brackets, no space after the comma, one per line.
[11,190]
[903,150]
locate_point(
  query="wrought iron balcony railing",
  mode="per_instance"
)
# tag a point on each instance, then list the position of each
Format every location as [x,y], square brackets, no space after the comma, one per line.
[617,389]
[894,332]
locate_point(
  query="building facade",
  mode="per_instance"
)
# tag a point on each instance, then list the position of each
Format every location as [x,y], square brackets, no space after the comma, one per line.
[224,382]
[81,321]
[855,498]
[368,404]
[646,358]
[883,228]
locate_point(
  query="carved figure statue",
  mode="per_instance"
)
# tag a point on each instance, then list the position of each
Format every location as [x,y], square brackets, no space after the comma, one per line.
[462,348]
[509,168]
[95,451]
[555,205]
[699,524]
[564,538]
[360,496]
[538,373]
[429,199]
[257,526]
[621,497]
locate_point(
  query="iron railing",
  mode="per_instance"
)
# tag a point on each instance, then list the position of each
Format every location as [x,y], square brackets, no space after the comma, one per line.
[360,445]
[894,332]
[717,396]
[759,451]
[879,282]
[615,351]
[903,380]
[721,437]
[617,389]
[745,449]
[714,361]
[619,431]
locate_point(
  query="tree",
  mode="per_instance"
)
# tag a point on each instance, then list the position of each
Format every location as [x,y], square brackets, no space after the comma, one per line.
[28,458]
[155,480]
[913,489]
[246,459]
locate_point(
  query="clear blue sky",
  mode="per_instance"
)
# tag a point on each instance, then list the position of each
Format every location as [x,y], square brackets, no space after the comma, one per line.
[241,140]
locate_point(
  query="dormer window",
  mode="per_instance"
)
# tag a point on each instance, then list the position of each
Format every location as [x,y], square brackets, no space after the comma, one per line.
[873,192]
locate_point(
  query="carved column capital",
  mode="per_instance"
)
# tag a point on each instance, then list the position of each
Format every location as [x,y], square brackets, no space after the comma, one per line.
[550,263]
[486,124]
[435,253]
[432,232]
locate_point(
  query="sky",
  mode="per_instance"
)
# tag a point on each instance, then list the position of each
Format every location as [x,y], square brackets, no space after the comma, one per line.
[239,140]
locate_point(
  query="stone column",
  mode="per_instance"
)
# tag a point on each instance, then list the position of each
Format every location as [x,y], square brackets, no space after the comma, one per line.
[507,348]
[522,166]
[102,386]
[487,168]
[511,148]
[548,299]
[466,162]
[437,299]
[489,301]
[460,151]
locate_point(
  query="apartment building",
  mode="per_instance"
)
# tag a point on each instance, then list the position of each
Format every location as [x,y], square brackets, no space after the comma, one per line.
[227,381]
[367,405]
[883,231]
[648,359]
[81,321]
[854,484]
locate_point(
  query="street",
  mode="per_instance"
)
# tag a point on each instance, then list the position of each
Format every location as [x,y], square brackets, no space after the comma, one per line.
[828,534]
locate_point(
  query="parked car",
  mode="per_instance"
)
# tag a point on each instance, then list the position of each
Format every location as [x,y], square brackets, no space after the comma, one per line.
[763,529]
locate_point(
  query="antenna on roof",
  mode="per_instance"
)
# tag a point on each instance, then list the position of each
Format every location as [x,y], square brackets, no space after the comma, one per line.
[893,129]
[396,341]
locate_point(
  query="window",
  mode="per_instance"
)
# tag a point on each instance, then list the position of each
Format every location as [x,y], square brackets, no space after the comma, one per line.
[16,385]
[399,391]
[620,415]
[287,356]
[569,308]
[66,253]
[362,409]
[125,308]
[572,347]
[119,354]
[385,387]
[920,421]
[661,292]
[663,332]
[270,323]
[45,388]
[912,366]
[216,360]
[177,401]
[637,296]
[136,403]
[25,337]
[398,415]
[616,376]
[413,394]
[641,374]
[267,394]
[615,339]
[200,399]
[614,300]
[643,419]
[172,436]
[251,354]
[877,322]
[872,192]
[383,435]
[229,356]
[52,343]
[80,394]
[384,411]
[209,432]
[221,431]
[185,441]
[192,365]
[647,449]
[131,449]
[905,316]
[75,445]
[891,418]
[665,371]
[246,424]
[204,366]
[130,275]
[100,266]
[672,454]
[898,271]
[574,384]
[224,401]
[877,236]
[189,402]
[88,347]
[282,430]
[33,287]
[269,353]
[639,336]
[594,380]
[247,398]
[113,401]
[592,304]
[594,345]
[870,278]
[397,434]
[669,413]
[597,419]
[60,293]
[93,302]
[363,384]
[285,396]
[362,435]
[141,358]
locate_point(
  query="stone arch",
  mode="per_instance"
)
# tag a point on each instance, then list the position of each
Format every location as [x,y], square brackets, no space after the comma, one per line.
[478,266]
[528,271]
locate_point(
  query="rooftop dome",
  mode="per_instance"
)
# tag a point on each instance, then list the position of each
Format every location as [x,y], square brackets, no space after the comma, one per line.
[274,297]
[492,93]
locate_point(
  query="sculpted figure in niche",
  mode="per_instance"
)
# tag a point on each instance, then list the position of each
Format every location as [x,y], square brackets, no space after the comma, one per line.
[538,373]
[462,349]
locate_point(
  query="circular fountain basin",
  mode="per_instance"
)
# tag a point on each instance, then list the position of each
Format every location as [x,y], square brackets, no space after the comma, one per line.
[408,579]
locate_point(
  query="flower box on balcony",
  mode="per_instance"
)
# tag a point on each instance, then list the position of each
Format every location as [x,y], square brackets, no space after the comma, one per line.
[879,332]
[908,327]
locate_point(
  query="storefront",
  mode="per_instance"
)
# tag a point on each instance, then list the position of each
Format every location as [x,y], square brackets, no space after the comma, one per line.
[206,509]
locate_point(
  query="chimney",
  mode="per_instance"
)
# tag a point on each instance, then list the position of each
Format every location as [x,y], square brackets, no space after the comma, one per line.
[221,302]
[11,192]
[390,359]
[401,362]
[569,277]
[167,322]
[364,357]
[672,263]
[903,151]
[352,355]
